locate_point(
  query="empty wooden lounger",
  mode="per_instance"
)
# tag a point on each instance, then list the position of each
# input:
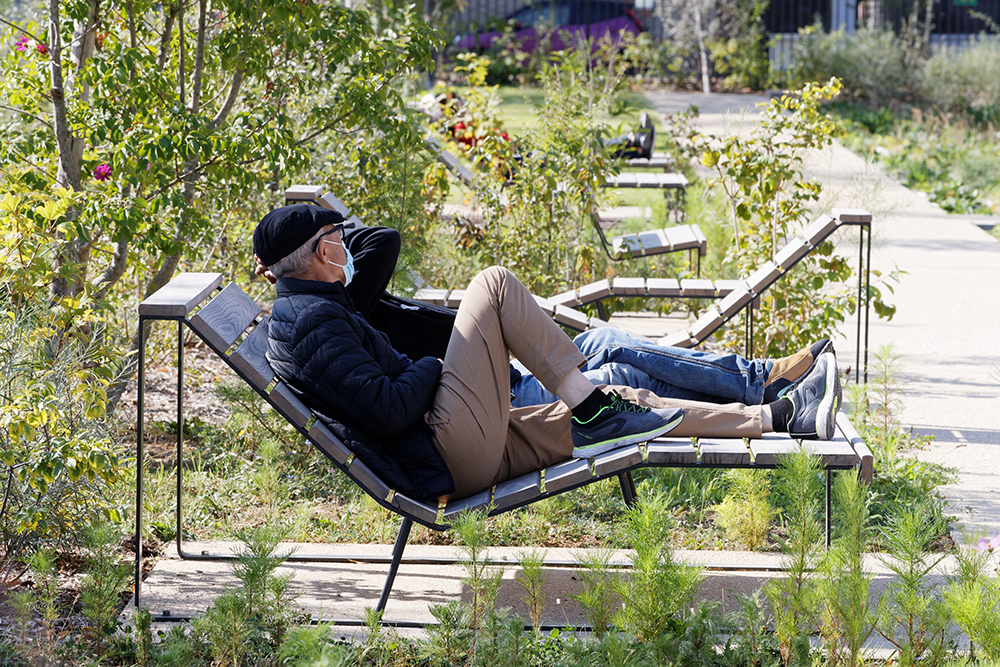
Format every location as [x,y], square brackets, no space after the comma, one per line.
[231,325]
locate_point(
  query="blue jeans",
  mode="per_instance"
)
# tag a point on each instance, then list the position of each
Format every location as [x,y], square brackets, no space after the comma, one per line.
[615,357]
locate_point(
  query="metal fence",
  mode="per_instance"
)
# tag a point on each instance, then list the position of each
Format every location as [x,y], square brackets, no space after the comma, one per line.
[954,23]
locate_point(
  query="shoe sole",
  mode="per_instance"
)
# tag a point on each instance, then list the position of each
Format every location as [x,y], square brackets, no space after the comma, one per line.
[596,450]
[826,348]
[826,413]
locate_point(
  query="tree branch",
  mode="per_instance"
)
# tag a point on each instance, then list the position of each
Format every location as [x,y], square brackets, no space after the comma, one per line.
[227,107]
[21,30]
[199,57]
[29,114]
[115,270]
[168,29]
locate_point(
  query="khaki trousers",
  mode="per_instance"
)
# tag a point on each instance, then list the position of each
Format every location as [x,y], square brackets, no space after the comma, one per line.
[482,439]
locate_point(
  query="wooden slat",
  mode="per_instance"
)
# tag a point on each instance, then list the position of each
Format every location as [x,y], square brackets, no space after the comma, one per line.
[763,277]
[547,306]
[436,296]
[735,302]
[817,232]
[303,192]
[289,405]
[249,358]
[625,180]
[789,256]
[179,297]
[860,447]
[852,215]
[566,475]
[705,325]
[682,237]
[418,510]
[770,448]
[454,299]
[647,180]
[368,480]
[671,452]
[724,288]
[597,323]
[477,501]
[628,243]
[517,491]
[594,291]
[618,460]
[629,286]
[224,319]
[681,338]
[571,318]
[569,299]
[321,438]
[465,174]
[663,287]
[697,288]
[333,203]
[702,239]
[723,452]
[836,453]
[654,242]
[674,181]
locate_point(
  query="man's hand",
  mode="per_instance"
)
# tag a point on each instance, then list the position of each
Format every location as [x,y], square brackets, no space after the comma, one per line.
[261,270]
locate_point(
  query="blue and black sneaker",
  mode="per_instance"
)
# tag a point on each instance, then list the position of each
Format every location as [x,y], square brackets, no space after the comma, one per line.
[621,423]
[815,401]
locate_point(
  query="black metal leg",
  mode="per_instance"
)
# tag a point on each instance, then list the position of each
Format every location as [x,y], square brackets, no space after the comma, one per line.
[140,379]
[868,294]
[397,555]
[180,436]
[601,312]
[829,526]
[629,493]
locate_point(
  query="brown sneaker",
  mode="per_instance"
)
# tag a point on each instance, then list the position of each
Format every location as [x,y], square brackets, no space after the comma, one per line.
[784,373]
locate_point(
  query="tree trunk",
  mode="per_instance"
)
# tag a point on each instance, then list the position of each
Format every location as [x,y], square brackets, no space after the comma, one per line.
[706,81]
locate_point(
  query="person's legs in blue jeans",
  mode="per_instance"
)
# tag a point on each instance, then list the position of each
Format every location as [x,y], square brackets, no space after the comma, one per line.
[615,357]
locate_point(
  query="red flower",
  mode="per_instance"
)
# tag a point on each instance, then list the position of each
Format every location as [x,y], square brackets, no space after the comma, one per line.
[102,172]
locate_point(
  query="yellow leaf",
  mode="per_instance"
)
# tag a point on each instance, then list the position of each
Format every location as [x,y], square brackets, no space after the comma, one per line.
[9,203]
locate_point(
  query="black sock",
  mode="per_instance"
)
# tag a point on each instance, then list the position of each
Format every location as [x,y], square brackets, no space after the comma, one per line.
[590,406]
[781,414]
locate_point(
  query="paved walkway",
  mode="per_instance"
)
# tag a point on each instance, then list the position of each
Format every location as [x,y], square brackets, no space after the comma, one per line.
[947,326]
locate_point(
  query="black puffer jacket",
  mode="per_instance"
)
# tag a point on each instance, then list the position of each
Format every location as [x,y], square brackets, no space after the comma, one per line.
[347,371]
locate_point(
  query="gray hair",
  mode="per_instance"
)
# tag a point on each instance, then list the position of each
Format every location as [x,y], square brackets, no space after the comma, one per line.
[298,261]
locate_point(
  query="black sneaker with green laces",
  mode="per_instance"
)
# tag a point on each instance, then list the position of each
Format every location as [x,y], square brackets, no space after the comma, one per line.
[621,423]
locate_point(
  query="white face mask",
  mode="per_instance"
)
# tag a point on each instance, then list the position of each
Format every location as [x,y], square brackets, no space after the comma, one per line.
[349,266]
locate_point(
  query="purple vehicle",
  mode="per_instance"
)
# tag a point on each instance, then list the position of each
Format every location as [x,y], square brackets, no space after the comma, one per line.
[604,18]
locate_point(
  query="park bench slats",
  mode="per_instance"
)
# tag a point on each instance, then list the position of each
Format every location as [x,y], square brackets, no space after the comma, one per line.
[477,501]
[680,338]
[852,216]
[566,475]
[698,288]
[683,237]
[178,297]
[569,299]
[594,291]
[332,202]
[727,453]
[454,299]
[788,256]
[663,287]
[768,450]
[867,463]
[369,481]
[817,232]
[764,276]
[431,295]
[596,322]
[724,287]
[624,180]
[617,461]
[659,160]
[629,286]
[517,491]
[735,301]
[249,358]
[422,512]
[710,321]
[290,406]
[303,193]
[572,318]
[321,437]
[547,305]
[671,452]
[226,317]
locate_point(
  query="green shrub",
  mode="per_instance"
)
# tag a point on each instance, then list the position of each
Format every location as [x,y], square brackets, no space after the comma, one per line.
[970,78]
[821,55]
[745,513]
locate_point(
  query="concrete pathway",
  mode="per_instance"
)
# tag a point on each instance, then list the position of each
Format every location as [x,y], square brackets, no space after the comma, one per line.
[947,326]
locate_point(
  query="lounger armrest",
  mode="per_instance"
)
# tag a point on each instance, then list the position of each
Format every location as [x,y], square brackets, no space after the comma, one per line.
[180,296]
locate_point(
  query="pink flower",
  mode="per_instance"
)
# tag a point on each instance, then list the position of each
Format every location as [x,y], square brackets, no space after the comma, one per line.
[42,48]
[22,44]
[988,543]
[102,172]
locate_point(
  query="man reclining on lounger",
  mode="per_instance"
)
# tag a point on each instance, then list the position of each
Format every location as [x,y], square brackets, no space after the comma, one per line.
[458,409]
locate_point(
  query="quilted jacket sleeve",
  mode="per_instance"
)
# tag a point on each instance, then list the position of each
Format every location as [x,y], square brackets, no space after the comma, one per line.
[346,365]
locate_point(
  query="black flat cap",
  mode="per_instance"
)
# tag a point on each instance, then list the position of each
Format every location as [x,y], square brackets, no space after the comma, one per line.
[285,229]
